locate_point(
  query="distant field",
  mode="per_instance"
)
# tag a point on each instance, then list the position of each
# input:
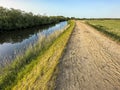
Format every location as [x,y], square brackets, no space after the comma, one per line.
[109,27]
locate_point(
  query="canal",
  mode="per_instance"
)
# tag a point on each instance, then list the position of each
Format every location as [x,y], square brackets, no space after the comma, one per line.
[16,42]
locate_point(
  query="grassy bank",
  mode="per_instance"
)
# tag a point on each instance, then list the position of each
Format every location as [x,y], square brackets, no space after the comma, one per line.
[109,27]
[35,69]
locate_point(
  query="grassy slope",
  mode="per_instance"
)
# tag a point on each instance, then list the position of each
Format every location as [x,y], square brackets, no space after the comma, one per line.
[109,27]
[39,77]
[25,62]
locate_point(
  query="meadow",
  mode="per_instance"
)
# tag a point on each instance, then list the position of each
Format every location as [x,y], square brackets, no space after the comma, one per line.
[109,27]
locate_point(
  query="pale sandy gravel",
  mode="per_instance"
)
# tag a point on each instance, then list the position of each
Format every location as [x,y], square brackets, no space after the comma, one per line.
[91,62]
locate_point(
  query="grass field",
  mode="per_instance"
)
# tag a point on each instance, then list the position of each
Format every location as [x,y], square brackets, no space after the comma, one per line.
[109,27]
[39,72]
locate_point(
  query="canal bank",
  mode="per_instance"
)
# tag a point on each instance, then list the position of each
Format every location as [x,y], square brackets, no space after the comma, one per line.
[15,43]
[38,72]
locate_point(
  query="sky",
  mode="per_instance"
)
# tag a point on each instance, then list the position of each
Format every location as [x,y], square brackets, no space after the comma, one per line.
[69,8]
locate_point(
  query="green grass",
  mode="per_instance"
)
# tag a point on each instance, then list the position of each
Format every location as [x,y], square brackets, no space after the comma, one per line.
[36,69]
[109,27]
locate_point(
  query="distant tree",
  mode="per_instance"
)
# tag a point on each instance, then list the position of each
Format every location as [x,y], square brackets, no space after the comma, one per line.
[17,19]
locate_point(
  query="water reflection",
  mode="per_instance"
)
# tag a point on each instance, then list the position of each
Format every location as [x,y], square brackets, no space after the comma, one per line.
[19,35]
[14,42]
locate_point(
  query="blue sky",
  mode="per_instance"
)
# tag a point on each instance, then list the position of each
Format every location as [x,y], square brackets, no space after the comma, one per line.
[76,8]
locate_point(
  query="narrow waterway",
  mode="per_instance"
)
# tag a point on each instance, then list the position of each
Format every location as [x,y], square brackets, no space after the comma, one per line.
[16,42]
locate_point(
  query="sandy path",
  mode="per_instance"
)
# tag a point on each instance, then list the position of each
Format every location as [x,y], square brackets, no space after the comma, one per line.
[91,62]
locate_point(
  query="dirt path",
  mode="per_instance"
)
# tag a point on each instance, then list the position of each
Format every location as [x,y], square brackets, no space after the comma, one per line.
[91,62]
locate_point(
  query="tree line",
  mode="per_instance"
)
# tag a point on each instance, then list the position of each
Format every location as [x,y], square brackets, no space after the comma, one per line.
[11,19]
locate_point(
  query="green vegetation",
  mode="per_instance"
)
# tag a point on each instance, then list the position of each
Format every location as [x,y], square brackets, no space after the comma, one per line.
[36,68]
[109,27]
[16,19]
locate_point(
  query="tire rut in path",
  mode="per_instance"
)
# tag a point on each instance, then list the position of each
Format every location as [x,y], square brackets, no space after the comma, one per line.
[91,62]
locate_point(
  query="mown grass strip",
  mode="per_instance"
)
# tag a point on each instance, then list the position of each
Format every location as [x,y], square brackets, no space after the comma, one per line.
[37,74]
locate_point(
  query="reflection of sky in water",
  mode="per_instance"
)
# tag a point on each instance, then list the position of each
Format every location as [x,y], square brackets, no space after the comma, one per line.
[8,51]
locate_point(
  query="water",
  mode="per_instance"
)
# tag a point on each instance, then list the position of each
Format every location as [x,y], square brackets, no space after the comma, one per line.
[13,43]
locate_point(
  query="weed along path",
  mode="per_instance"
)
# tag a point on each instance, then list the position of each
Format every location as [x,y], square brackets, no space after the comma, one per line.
[91,61]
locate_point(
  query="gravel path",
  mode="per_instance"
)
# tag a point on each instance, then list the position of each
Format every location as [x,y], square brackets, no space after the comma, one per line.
[91,61]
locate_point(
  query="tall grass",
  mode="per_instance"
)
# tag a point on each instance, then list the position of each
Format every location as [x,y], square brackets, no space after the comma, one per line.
[16,70]
[109,27]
